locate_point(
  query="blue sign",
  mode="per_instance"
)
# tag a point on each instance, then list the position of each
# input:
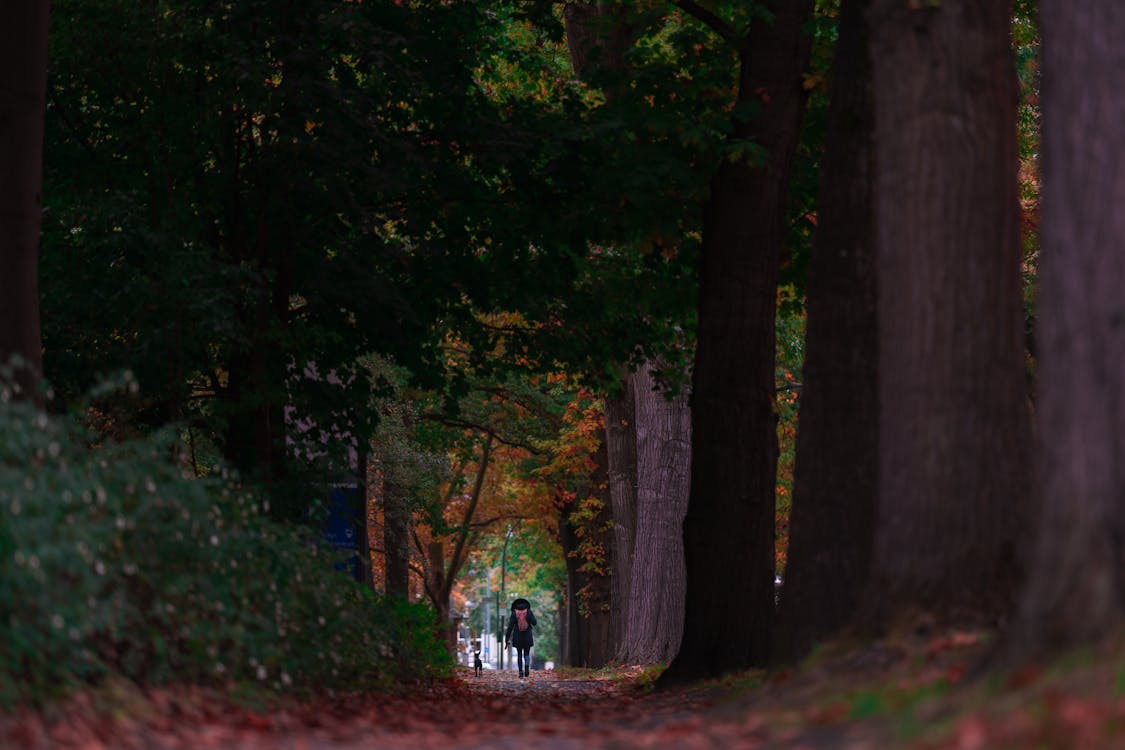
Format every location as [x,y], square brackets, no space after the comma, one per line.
[343,525]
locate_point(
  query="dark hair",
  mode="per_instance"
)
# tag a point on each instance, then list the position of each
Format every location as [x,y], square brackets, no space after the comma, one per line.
[521,604]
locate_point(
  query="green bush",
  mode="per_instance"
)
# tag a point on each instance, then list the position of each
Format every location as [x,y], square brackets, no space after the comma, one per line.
[112,560]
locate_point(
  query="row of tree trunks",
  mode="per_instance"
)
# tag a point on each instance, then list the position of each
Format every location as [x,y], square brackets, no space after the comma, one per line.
[950,453]
[23,87]
[729,527]
[834,483]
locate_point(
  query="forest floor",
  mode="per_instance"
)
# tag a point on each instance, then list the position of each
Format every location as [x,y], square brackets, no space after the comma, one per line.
[913,693]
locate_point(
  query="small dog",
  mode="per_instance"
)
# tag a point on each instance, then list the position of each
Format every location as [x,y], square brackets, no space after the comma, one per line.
[478,667]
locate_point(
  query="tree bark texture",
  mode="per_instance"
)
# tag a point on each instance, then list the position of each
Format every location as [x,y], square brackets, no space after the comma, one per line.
[836,474]
[954,426]
[23,91]
[396,538]
[597,38]
[363,477]
[436,588]
[1077,587]
[663,460]
[621,456]
[729,527]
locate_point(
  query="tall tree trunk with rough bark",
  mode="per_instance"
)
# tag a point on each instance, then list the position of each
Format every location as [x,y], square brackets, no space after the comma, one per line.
[1076,591]
[729,527]
[363,488]
[621,457]
[663,463]
[397,517]
[23,91]
[954,427]
[832,522]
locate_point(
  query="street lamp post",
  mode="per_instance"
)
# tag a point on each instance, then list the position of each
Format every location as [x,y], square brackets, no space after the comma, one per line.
[500,594]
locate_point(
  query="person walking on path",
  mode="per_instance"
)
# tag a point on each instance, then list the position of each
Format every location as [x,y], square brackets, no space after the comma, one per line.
[519,633]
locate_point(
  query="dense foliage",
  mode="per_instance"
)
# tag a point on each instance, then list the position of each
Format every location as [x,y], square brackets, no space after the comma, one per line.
[113,560]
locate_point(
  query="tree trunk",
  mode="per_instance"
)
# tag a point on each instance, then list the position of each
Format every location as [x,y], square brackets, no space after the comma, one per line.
[439,594]
[663,454]
[597,38]
[575,636]
[363,546]
[563,620]
[588,633]
[621,452]
[597,593]
[256,394]
[396,537]
[1077,586]
[23,87]
[954,423]
[442,577]
[729,527]
[832,523]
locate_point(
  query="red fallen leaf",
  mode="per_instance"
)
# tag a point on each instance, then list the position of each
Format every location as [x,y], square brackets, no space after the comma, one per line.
[256,721]
[679,729]
[783,676]
[1079,713]
[835,713]
[971,734]
[1024,676]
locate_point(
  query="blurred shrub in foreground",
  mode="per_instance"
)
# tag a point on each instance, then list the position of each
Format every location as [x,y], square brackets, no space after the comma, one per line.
[112,561]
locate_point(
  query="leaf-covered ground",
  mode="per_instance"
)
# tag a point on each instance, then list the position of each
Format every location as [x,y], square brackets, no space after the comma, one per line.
[908,693]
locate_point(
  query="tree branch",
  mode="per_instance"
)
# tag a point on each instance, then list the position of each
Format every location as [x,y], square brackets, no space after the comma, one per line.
[495,519]
[455,560]
[713,22]
[418,545]
[436,416]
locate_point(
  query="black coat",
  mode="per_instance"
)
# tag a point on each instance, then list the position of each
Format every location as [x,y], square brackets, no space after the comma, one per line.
[521,638]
